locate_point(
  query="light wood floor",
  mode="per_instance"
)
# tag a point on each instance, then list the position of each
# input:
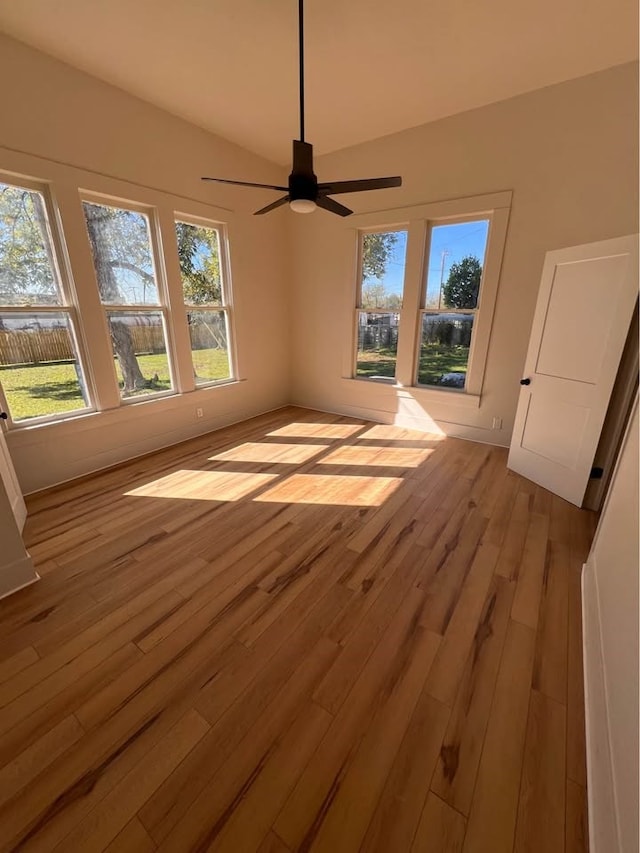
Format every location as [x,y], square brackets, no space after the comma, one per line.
[303,632]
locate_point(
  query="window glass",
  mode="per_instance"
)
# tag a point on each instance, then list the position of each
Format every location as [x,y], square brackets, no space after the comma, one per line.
[202,287]
[40,371]
[28,273]
[123,260]
[377,345]
[122,257]
[209,346]
[382,265]
[454,276]
[199,253]
[383,258]
[456,258]
[140,348]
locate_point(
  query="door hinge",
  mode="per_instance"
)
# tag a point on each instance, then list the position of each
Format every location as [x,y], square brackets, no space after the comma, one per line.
[596,473]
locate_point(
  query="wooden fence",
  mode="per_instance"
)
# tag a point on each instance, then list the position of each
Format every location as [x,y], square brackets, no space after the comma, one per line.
[37,346]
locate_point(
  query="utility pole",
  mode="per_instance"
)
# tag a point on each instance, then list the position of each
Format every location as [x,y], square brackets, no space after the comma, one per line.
[444,256]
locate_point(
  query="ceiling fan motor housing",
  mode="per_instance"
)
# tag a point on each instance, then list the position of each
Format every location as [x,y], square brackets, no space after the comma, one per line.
[302,180]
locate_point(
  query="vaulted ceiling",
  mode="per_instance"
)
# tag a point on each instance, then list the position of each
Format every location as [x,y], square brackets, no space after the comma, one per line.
[373,67]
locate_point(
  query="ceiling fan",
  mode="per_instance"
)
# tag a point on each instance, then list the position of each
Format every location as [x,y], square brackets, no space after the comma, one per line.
[304,193]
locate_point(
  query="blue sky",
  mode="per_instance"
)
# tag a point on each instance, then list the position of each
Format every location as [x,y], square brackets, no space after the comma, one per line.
[457,240]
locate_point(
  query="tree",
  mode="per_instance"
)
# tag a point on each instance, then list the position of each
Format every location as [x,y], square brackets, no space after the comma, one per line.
[375,295]
[376,251]
[116,245]
[26,268]
[199,264]
[463,284]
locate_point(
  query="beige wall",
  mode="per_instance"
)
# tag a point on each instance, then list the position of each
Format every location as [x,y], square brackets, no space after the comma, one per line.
[55,112]
[568,152]
[610,591]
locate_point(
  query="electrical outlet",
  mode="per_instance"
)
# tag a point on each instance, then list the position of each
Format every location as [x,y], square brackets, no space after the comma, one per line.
[199,413]
[497,423]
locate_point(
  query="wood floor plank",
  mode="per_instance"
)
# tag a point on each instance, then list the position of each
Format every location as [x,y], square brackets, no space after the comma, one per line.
[236,707]
[349,807]
[541,810]
[105,822]
[550,666]
[577,825]
[273,844]
[25,767]
[514,537]
[10,667]
[455,774]
[492,820]
[444,587]
[243,827]
[246,763]
[132,839]
[26,730]
[373,692]
[397,813]
[446,672]
[526,601]
[302,631]
[441,828]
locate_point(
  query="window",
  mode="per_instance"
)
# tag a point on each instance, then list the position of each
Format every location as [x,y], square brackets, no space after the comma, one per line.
[426,292]
[382,267]
[451,299]
[41,373]
[122,251]
[204,290]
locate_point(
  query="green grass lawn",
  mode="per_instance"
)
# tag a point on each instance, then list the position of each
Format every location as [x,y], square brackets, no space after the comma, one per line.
[51,389]
[435,360]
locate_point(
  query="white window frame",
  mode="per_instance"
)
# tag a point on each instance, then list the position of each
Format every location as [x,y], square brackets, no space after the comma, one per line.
[419,220]
[226,292]
[68,306]
[161,307]
[360,310]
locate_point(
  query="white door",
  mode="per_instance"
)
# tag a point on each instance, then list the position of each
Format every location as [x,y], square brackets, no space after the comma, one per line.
[586,300]
[10,480]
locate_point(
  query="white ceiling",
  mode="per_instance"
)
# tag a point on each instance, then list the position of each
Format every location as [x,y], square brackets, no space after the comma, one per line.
[373,67]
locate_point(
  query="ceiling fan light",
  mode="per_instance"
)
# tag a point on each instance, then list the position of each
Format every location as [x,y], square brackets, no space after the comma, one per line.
[302,205]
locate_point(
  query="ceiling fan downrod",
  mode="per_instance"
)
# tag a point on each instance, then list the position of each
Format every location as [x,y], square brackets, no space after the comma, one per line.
[304,193]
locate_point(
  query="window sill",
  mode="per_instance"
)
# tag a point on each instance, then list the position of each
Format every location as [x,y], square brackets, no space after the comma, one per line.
[450,397]
[133,408]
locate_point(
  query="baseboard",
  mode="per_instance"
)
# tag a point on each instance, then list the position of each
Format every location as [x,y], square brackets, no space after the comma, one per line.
[603,824]
[17,575]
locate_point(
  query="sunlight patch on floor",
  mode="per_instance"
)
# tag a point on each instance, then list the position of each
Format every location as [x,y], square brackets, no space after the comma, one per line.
[203,485]
[292,454]
[303,430]
[333,490]
[401,457]
[389,432]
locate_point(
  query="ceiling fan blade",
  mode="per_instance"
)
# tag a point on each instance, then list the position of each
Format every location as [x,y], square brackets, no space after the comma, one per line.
[272,206]
[247,184]
[359,186]
[333,206]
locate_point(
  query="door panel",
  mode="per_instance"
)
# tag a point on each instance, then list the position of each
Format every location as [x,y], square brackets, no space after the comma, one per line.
[585,304]
[575,305]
